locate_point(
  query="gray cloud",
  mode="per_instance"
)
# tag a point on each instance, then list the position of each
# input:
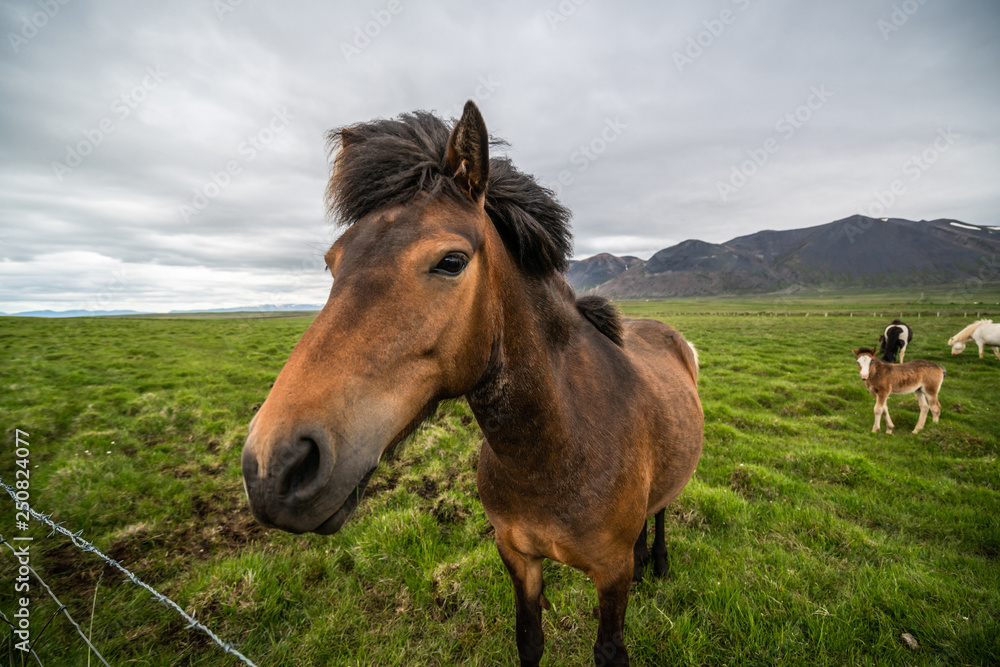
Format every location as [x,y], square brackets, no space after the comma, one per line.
[172,156]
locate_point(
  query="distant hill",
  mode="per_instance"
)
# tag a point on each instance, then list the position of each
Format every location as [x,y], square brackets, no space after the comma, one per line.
[254,309]
[70,313]
[599,269]
[854,252]
[105,313]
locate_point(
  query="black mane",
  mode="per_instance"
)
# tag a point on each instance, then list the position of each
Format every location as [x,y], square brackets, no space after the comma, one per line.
[388,162]
[605,316]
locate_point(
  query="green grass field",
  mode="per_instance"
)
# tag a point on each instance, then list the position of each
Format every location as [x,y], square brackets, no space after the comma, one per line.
[803,539]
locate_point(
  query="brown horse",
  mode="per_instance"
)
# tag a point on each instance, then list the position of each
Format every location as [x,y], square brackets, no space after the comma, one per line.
[448,282]
[883,379]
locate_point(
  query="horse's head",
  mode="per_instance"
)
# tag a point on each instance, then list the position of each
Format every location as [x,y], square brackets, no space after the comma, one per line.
[956,346]
[410,320]
[864,357]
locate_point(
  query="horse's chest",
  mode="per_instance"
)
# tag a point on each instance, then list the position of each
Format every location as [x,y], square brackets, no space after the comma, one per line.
[541,493]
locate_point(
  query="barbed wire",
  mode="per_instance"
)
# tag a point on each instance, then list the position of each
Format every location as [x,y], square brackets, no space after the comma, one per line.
[84,545]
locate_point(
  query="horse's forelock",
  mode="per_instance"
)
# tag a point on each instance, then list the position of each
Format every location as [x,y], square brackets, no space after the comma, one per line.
[389,162]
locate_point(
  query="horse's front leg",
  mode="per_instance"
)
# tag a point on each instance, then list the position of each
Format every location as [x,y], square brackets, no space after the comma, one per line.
[879,406]
[981,348]
[526,575]
[612,596]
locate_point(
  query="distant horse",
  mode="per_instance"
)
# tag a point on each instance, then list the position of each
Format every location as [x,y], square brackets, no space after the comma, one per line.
[894,339]
[983,332]
[448,281]
[882,379]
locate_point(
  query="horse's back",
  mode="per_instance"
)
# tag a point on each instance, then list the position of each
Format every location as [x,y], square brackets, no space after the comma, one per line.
[918,375]
[988,332]
[923,366]
[654,343]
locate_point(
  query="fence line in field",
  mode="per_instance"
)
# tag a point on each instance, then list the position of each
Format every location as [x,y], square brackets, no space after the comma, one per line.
[821,313]
[86,546]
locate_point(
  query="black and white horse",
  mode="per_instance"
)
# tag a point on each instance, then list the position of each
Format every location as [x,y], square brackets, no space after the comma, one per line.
[894,339]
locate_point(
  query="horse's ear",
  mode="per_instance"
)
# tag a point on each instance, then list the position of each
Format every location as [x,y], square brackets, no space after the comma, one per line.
[469,153]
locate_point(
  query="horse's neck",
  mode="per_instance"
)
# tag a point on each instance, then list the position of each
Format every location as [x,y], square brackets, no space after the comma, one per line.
[968,333]
[517,402]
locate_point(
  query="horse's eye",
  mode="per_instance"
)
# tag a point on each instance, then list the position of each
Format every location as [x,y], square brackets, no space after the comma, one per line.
[452,264]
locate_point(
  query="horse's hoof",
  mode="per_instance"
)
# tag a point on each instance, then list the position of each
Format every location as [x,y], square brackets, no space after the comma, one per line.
[888,431]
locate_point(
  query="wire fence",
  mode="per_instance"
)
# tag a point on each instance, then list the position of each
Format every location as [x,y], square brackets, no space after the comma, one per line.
[976,314]
[86,546]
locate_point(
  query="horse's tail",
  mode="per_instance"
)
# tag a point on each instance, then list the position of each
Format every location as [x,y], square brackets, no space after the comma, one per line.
[694,351]
[691,360]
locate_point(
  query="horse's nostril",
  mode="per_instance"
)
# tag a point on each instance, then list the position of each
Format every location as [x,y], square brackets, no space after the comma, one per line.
[304,471]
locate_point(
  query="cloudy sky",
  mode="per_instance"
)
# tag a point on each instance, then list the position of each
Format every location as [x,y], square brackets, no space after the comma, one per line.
[162,156]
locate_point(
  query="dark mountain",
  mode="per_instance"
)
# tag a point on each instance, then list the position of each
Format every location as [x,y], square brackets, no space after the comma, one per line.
[598,269]
[856,251]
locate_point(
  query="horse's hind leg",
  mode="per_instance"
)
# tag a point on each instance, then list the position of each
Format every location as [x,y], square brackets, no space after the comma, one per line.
[661,566]
[996,351]
[924,402]
[612,596]
[640,555]
[526,575]
[934,403]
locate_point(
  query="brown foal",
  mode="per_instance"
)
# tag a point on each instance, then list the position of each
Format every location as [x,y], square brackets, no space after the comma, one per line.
[448,281]
[922,378]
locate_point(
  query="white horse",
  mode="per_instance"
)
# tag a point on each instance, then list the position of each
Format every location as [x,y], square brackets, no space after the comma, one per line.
[983,332]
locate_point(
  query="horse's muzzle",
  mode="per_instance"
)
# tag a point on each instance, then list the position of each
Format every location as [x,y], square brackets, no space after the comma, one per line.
[284,493]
